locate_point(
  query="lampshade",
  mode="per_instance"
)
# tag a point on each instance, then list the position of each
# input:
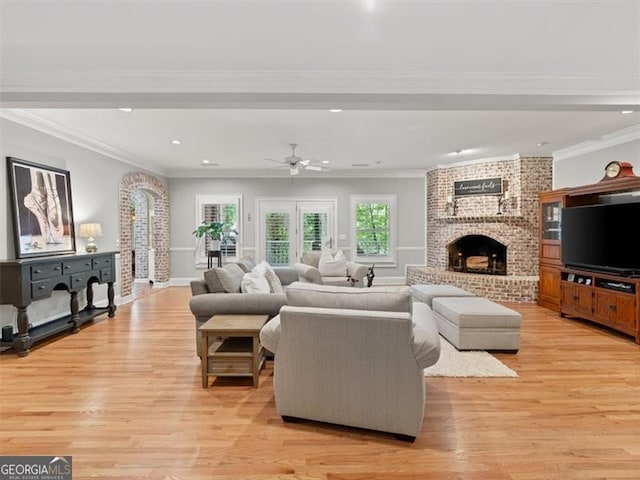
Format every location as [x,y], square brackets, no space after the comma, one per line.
[88,230]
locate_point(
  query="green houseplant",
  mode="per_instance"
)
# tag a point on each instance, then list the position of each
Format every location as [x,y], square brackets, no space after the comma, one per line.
[212,230]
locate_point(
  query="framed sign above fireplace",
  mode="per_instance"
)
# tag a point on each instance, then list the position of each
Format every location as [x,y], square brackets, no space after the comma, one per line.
[482,186]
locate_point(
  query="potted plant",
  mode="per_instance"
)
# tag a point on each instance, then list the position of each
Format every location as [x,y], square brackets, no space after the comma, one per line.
[212,230]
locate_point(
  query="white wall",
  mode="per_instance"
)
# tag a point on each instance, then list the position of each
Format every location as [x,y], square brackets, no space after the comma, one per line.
[95,181]
[588,168]
[410,206]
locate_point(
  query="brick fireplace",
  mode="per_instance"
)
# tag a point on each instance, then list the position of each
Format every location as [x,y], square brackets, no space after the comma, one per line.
[509,275]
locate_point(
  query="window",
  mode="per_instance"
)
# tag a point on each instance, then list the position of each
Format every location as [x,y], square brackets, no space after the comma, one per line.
[225,209]
[373,228]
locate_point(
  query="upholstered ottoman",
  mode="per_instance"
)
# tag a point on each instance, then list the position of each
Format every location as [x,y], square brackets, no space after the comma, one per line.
[426,293]
[474,323]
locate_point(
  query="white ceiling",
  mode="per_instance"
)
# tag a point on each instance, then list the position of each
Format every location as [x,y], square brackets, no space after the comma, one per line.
[237,81]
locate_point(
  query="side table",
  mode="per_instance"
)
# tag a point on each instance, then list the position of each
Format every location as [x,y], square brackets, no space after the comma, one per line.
[235,350]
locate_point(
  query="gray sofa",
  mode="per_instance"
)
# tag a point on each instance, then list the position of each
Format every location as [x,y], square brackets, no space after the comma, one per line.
[352,357]
[210,298]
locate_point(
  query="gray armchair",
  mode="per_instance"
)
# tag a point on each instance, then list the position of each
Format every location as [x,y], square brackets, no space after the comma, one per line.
[308,272]
[352,357]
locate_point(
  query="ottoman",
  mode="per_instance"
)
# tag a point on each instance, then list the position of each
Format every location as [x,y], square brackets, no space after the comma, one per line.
[426,293]
[474,323]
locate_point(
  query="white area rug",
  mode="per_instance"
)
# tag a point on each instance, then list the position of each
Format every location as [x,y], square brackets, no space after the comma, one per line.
[453,363]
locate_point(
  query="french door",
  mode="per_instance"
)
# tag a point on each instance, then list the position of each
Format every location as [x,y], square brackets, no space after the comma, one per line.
[289,227]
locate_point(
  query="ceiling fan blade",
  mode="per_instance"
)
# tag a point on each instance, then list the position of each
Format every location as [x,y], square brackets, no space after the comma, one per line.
[314,168]
[304,163]
[272,160]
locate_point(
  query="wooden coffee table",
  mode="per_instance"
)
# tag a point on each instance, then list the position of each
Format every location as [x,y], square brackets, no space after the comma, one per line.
[235,350]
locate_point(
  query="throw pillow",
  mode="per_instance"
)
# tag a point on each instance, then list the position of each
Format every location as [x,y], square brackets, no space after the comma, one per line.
[332,265]
[255,281]
[275,285]
[246,263]
[226,279]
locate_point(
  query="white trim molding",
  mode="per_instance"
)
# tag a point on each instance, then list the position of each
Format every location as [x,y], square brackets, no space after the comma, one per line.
[610,140]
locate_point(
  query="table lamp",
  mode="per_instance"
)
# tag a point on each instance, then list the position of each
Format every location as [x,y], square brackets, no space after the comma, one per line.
[89,231]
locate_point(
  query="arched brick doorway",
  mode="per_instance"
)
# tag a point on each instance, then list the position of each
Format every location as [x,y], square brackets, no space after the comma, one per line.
[154,187]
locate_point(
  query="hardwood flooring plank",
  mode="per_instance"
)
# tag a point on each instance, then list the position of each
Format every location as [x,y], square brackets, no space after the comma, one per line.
[123,396]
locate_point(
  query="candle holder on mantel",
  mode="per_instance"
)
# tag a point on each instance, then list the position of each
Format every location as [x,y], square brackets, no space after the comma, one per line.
[452,205]
[503,198]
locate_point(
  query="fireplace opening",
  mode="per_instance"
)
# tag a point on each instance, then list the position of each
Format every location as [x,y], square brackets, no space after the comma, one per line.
[478,254]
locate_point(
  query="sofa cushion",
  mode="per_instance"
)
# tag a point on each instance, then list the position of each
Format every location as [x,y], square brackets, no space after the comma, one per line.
[332,265]
[246,264]
[275,285]
[226,279]
[387,299]
[310,258]
[255,281]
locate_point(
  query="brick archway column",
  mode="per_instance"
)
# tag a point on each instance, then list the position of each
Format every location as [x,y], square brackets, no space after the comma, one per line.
[129,183]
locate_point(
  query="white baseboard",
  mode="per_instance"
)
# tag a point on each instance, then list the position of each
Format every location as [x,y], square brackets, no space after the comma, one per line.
[180,281]
[119,300]
[380,281]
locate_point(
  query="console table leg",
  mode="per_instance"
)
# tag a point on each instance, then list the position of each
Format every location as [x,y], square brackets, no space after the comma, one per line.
[90,305]
[74,307]
[22,343]
[110,297]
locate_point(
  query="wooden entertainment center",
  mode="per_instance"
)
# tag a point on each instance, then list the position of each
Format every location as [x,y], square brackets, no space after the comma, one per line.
[610,300]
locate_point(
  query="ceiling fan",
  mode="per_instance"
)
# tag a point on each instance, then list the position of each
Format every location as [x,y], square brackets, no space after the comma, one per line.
[295,163]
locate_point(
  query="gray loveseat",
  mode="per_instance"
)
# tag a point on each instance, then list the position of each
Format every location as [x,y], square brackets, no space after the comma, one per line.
[210,297]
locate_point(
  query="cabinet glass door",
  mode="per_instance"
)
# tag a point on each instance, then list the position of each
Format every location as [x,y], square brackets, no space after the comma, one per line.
[551,220]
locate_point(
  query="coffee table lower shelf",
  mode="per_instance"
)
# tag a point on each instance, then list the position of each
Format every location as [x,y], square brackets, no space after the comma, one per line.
[233,357]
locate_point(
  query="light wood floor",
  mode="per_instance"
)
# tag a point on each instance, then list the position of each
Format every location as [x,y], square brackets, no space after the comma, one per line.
[123,397]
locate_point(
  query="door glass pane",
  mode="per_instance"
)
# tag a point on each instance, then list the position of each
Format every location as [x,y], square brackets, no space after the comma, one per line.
[314,231]
[277,238]
[551,220]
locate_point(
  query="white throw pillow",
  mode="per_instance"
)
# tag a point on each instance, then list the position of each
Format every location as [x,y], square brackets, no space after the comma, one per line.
[275,285]
[255,281]
[332,265]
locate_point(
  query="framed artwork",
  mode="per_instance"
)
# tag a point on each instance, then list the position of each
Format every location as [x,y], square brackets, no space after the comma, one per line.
[571,277]
[41,209]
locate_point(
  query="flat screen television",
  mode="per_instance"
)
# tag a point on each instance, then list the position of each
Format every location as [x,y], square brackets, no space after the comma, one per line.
[603,238]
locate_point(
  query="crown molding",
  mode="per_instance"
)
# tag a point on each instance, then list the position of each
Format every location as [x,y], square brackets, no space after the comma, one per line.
[213,172]
[504,158]
[56,130]
[610,140]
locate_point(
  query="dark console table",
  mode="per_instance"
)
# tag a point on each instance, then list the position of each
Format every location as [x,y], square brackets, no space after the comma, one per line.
[26,280]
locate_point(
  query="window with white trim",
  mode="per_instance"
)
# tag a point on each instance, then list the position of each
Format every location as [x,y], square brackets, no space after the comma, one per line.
[373,228]
[225,209]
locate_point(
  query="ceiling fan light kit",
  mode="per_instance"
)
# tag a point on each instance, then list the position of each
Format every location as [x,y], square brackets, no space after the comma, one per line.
[295,163]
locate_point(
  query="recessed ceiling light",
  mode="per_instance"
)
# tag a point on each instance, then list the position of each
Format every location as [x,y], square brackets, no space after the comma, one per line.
[542,144]
[459,151]
[206,162]
[626,112]
[176,142]
[209,163]
[335,110]
[326,162]
[126,109]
